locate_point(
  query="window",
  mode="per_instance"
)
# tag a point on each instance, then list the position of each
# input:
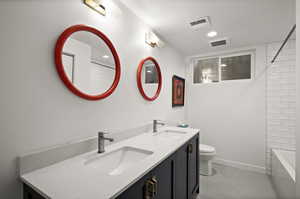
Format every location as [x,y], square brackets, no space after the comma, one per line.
[222,68]
[206,71]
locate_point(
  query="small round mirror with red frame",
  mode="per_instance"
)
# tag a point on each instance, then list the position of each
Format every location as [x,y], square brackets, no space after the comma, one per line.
[149,78]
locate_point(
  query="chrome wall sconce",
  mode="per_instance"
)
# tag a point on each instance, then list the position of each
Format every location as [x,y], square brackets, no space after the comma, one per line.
[152,40]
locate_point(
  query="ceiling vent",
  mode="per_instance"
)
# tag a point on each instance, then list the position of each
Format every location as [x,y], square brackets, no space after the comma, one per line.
[200,22]
[219,42]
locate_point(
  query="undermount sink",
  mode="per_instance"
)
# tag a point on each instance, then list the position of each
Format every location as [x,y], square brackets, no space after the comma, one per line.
[171,134]
[117,161]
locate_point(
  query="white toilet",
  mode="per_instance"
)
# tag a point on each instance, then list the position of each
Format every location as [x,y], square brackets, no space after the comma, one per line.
[207,153]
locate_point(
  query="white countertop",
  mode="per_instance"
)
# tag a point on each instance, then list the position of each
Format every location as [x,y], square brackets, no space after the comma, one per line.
[71,179]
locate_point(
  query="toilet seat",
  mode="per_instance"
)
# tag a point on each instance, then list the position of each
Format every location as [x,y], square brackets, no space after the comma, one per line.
[206,149]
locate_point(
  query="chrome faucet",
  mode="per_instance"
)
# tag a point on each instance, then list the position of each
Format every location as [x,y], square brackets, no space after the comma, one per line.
[101,140]
[155,123]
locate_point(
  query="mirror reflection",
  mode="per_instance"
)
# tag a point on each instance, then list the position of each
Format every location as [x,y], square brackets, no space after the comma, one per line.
[88,63]
[150,78]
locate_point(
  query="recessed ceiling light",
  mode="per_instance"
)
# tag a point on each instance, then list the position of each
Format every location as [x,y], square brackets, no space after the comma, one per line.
[212,34]
[105,56]
[223,65]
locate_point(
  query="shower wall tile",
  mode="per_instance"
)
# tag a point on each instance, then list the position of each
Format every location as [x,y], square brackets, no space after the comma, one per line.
[281,99]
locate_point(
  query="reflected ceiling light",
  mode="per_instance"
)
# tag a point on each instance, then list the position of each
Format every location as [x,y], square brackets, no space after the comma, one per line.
[212,34]
[96,5]
[149,71]
[105,56]
[223,65]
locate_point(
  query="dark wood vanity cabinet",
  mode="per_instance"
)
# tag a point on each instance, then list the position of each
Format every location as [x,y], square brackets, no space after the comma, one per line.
[193,168]
[163,175]
[177,177]
[29,193]
[137,190]
[162,189]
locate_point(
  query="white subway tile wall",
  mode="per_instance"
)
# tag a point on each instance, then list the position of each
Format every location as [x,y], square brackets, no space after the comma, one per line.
[281,99]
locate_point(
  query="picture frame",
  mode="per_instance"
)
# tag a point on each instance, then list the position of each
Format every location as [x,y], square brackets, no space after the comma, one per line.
[178,91]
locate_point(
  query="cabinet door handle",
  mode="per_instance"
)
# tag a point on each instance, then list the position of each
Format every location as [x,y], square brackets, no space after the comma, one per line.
[154,180]
[151,188]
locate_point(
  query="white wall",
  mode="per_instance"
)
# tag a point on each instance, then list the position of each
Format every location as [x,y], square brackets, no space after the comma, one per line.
[38,111]
[298,99]
[232,115]
[281,99]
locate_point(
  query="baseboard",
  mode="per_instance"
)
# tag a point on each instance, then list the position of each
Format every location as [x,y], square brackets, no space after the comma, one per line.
[240,165]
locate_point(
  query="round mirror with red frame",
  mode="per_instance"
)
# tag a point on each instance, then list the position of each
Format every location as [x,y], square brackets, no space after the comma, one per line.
[87,62]
[149,78]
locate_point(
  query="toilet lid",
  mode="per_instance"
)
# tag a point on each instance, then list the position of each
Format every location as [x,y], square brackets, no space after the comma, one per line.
[206,148]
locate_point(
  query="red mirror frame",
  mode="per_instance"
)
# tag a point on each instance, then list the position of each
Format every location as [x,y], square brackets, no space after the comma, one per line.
[139,79]
[60,68]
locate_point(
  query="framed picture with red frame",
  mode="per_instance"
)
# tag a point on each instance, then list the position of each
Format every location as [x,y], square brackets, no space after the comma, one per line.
[178,87]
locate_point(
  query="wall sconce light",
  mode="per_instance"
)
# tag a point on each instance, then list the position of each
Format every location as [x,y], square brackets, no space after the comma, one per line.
[152,40]
[96,5]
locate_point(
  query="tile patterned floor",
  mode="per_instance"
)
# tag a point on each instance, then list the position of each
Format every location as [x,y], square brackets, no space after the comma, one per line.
[233,183]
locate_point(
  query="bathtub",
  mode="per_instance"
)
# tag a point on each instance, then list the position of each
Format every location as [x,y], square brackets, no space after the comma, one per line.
[283,173]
